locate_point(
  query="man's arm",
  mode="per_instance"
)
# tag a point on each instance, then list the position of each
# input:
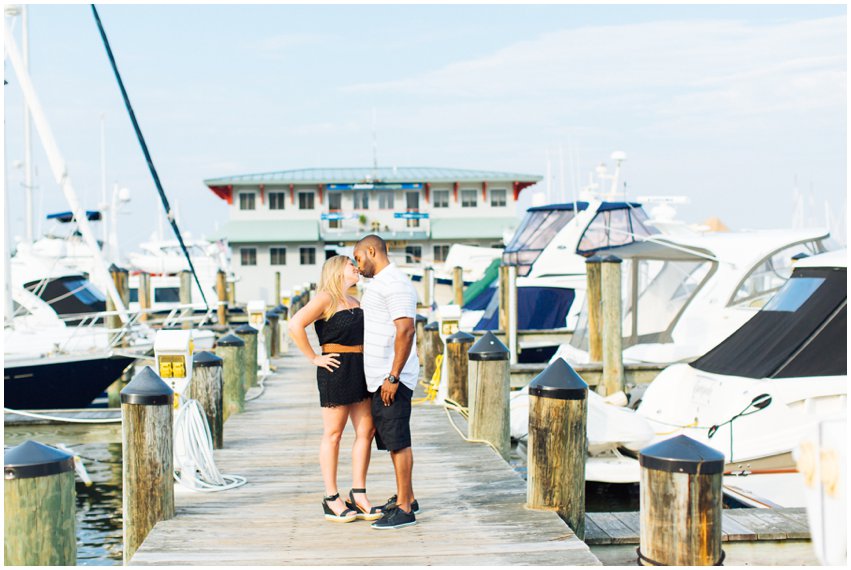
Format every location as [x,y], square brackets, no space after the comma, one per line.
[401,351]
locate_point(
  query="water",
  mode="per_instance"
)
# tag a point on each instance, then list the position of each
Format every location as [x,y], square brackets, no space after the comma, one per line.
[99,532]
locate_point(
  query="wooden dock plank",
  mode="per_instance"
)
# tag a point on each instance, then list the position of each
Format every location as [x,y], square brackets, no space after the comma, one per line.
[472,502]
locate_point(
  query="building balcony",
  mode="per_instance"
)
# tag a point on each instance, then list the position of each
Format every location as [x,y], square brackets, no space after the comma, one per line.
[337,225]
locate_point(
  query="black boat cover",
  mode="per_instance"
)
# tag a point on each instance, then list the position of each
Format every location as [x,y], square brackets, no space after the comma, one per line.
[801,332]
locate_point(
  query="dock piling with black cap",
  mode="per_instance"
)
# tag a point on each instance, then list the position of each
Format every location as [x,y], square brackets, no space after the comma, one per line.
[595,317]
[558,443]
[248,334]
[613,376]
[488,387]
[274,318]
[419,327]
[207,387]
[39,504]
[222,295]
[457,366]
[147,456]
[681,504]
[432,346]
[231,349]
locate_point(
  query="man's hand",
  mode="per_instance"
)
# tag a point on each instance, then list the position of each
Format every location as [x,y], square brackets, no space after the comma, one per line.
[388,392]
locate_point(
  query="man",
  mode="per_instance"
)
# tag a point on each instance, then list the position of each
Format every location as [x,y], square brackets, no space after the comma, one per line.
[391,368]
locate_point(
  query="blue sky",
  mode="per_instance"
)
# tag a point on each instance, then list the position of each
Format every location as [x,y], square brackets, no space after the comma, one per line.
[727,105]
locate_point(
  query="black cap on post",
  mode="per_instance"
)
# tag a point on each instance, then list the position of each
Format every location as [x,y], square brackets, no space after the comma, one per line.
[33,459]
[432,326]
[460,337]
[245,329]
[489,348]
[230,340]
[682,454]
[594,259]
[559,381]
[420,319]
[147,389]
[205,359]
[612,259]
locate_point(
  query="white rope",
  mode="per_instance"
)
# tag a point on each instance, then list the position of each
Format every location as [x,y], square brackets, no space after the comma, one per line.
[61,419]
[195,467]
[261,383]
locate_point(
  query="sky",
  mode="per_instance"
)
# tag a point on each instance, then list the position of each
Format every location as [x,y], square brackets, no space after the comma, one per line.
[734,107]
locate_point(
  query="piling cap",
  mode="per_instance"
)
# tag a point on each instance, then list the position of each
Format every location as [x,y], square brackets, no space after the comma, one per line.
[273,314]
[230,340]
[206,359]
[559,381]
[245,329]
[147,389]
[612,259]
[421,319]
[682,454]
[488,348]
[432,326]
[594,259]
[460,337]
[33,459]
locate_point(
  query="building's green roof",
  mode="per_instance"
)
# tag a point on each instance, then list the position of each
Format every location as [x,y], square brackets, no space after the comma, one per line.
[471,228]
[360,175]
[269,231]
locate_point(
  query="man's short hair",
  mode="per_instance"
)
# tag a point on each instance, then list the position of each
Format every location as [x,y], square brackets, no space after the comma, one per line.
[372,240]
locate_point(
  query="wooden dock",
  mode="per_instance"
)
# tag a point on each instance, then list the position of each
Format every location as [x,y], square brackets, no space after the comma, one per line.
[472,502]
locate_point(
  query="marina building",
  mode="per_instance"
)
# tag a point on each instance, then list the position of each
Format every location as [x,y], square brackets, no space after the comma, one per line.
[292,220]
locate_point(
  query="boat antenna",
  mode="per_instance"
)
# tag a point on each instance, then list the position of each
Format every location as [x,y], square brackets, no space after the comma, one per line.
[151,167]
[374,145]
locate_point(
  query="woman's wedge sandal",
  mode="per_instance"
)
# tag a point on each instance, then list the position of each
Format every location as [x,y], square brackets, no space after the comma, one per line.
[374,512]
[348,515]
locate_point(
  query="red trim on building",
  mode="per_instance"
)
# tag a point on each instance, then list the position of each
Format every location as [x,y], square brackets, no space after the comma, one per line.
[484,192]
[292,194]
[223,192]
[455,191]
[427,193]
[321,187]
[518,186]
[262,194]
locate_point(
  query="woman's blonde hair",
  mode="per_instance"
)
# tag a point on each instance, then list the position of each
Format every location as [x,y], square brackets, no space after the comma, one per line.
[332,281]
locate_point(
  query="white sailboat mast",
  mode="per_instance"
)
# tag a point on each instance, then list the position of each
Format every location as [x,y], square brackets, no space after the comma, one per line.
[28,168]
[60,170]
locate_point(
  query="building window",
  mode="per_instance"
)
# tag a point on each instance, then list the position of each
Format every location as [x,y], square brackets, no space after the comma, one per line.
[277,256]
[468,198]
[413,254]
[361,200]
[440,252]
[497,198]
[246,200]
[277,200]
[497,245]
[248,255]
[440,199]
[305,200]
[385,200]
[308,255]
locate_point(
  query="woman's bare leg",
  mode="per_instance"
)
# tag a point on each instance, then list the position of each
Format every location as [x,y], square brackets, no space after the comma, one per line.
[361,415]
[333,423]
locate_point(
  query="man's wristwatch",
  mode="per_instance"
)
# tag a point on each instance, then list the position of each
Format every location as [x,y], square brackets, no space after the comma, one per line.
[392,379]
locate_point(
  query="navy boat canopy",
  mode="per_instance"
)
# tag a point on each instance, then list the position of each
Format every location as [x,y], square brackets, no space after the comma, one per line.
[568,206]
[65,217]
[606,206]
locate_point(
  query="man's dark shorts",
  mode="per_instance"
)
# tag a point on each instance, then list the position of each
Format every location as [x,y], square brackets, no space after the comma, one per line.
[393,422]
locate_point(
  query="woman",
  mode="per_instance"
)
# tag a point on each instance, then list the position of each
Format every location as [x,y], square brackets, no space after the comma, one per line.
[338,320]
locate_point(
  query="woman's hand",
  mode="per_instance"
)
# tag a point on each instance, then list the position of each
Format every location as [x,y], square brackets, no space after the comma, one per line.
[326,361]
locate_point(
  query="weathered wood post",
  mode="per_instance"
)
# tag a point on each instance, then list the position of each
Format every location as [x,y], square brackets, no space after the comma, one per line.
[39,504]
[232,294]
[222,294]
[419,324]
[487,393]
[144,295]
[207,387]
[458,285]
[273,317]
[231,349]
[248,334]
[558,443]
[681,504]
[432,346]
[186,296]
[147,405]
[121,279]
[595,316]
[613,377]
[457,365]
[502,291]
[277,288]
[428,279]
[507,292]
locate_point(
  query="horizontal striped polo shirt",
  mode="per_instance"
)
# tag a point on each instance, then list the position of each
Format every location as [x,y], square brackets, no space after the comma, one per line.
[389,296]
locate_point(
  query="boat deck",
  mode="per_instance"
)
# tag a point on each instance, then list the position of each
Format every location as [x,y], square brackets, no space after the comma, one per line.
[472,502]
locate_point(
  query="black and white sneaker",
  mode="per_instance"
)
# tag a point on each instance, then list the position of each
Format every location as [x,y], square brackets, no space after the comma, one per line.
[391,504]
[395,518]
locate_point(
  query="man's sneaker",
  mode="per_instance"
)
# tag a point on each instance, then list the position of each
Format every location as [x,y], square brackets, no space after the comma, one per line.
[391,504]
[395,518]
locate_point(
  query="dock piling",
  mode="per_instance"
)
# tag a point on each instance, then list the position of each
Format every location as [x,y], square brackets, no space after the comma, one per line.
[613,375]
[231,349]
[458,285]
[186,297]
[207,387]
[222,294]
[488,392]
[144,295]
[274,318]
[147,456]
[39,503]
[557,444]
[681,504]
[595,317]
[457,365]
[121,279]
[432,346]
[248,334]
[428,279]
[420,323]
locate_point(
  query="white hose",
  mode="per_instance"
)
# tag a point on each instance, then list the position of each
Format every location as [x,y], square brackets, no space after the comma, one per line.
[195,467]
[261,383]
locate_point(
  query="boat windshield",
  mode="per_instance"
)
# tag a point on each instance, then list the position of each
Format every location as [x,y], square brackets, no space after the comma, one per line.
[616,223]
[69,295]
[537,229]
